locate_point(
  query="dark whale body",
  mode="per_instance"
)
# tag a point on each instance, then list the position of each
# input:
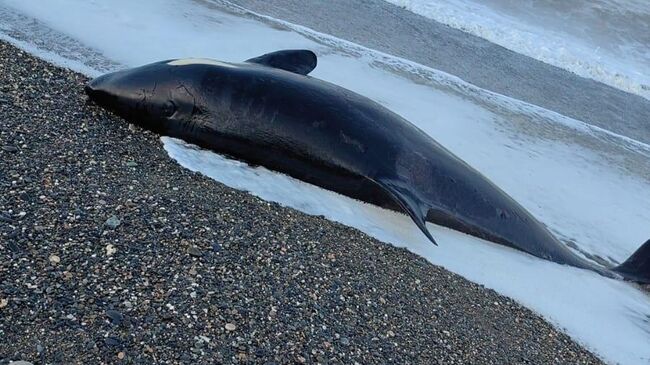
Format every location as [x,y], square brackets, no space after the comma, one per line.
[267,112]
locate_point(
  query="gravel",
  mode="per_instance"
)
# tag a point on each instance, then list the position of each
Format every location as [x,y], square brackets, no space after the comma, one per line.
[106,261]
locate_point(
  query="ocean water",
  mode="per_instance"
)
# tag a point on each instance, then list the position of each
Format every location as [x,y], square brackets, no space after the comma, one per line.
[588,185]
[606,40]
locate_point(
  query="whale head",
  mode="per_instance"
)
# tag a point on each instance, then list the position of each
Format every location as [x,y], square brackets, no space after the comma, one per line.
[150,96]
[172,97]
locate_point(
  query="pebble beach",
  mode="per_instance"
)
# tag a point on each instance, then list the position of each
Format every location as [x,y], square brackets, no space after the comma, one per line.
[110,252]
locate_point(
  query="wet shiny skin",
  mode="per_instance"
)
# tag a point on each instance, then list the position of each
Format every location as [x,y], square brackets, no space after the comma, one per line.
[325,135]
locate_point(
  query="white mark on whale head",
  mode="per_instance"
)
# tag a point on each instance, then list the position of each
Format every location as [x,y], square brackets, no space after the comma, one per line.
[199,61]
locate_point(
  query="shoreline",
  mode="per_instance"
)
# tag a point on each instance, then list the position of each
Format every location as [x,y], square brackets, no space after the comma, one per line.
[380,25]
[112,252]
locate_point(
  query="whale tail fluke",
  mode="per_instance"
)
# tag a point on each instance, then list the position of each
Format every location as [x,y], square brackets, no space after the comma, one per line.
[637,267]
[410,203]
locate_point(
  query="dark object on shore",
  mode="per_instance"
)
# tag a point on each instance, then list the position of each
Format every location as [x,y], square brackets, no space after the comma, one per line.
[115,317]
[267,112]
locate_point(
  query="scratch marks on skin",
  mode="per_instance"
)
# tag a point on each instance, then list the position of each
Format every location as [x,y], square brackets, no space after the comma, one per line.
[352,142]
[275,115]
[319,124]
[183,87]
[146,95]
[186,115]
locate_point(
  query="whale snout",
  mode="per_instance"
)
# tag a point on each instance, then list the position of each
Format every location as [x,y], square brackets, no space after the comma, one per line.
[135,95]
[119,92]
[89,90]
[93,93]
[99,91]
[94,85]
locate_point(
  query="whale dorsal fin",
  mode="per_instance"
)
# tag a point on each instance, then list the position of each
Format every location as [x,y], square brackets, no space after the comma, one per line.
[300,61]
[409,202]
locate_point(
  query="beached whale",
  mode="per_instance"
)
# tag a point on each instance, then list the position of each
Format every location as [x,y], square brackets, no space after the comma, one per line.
[267,111]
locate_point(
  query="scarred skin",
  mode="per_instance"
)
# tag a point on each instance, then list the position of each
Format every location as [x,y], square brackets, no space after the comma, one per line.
[323,134]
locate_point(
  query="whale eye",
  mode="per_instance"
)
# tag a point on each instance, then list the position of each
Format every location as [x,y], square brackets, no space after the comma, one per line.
[169,108]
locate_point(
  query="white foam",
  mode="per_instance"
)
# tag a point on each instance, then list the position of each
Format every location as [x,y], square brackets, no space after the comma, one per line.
[537,30]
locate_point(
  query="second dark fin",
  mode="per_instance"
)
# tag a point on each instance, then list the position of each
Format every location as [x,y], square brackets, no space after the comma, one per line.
[300,61]
[410,203]
[637,267]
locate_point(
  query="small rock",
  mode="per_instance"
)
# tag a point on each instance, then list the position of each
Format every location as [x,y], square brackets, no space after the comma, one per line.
[230,327]
[195,251]
[120,355]
[113,222]
[110,250]
[345,341]
[115,317]
[5,218]
[4,302]
[112,341]
[131,164]
[54,259]
[11,149]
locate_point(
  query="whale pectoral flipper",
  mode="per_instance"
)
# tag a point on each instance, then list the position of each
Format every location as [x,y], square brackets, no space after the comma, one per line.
[300,61]
[637,266]
[409,202]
